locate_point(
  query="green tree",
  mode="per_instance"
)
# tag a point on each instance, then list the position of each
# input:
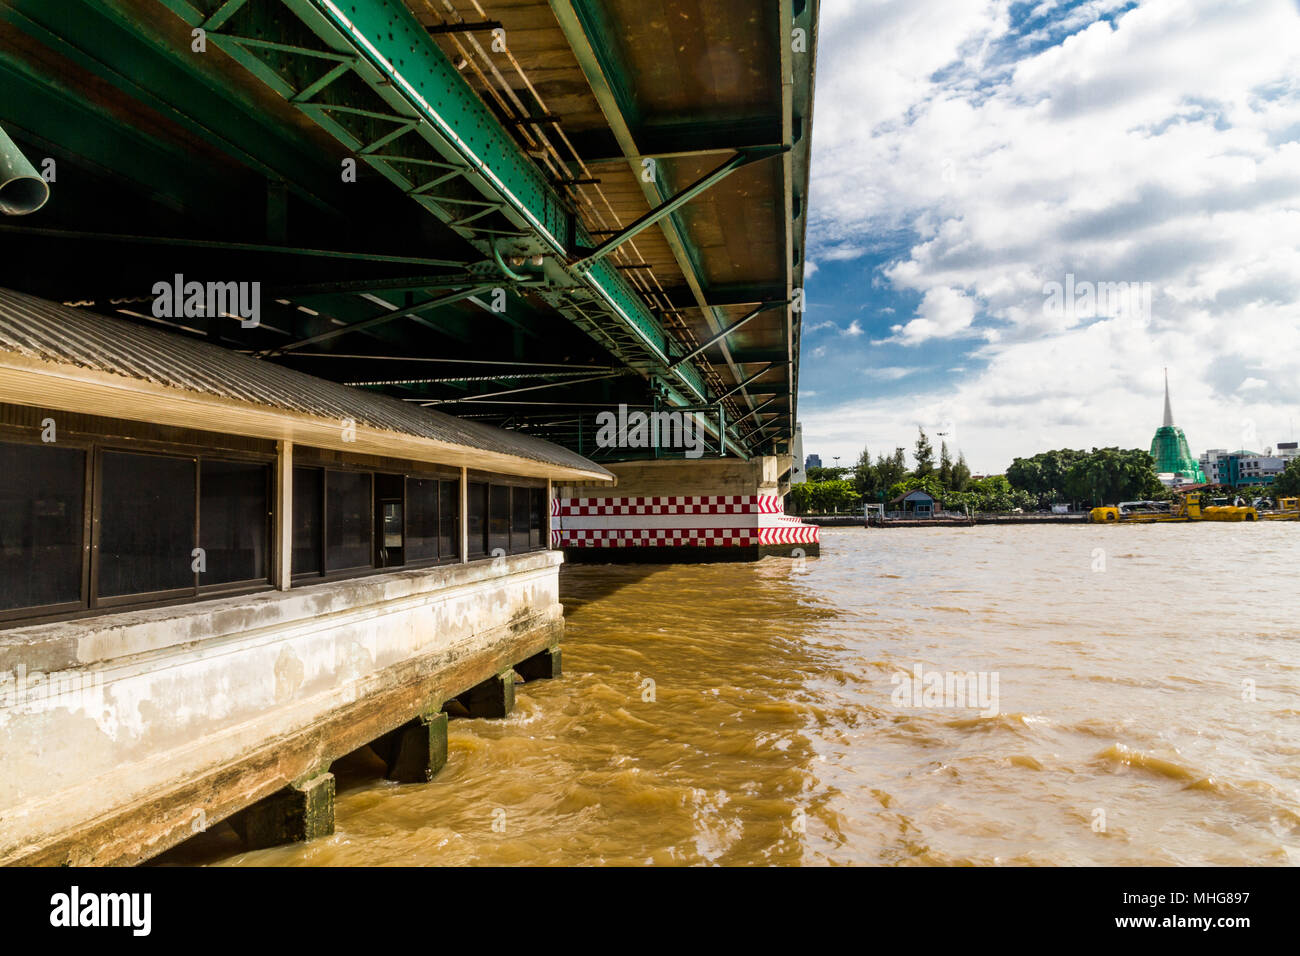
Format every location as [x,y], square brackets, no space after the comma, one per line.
[1107,476]
[866,477]
[1287,484]
[924,454]
[960,474]
[1043,475]
[891,470]
[823,497]
[945,465]
[825,474]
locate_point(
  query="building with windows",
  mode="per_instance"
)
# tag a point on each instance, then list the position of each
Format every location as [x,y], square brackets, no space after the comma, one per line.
[1241,467]
[217,575]
[813,461]
[913,504]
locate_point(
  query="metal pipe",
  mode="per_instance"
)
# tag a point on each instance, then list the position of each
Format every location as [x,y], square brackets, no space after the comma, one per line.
[22,190]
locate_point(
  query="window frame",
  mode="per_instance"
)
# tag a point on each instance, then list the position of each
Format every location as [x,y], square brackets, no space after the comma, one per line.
[325,575]
[40,612]
[268,524]
[438,479]
[93,447]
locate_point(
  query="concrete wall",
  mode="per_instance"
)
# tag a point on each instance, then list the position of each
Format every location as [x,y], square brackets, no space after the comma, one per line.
[702,476]
[172,719]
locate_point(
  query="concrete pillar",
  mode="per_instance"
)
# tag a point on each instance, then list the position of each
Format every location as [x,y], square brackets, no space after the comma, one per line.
[464,515]
[416,751]
[493,698]
[282,575]
[684,510]
[541,666]
[299,812]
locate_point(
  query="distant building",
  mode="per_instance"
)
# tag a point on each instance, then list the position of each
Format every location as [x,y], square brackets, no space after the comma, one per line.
[1286,450]
[1243,467]
[1169,448]
[914,504]
[812,461]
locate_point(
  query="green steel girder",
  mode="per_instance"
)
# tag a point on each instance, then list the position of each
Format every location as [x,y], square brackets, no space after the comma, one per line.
[416,114]
[99,37]
[28,103]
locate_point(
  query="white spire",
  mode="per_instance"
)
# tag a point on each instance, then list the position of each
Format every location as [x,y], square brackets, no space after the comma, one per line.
[1169,411]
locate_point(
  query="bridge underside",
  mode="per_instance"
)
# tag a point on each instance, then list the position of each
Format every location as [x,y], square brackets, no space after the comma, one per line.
[227,570]
[517,211]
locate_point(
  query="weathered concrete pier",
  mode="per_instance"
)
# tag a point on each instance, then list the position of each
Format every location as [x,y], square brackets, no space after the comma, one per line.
[313,318]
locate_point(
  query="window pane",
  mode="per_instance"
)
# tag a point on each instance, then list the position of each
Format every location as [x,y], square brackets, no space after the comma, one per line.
[421,519]
[449,520]
[232,521]
[41,501]
[347,520]
[478,520]
[520,507]
[146,531]
[499,518]
[539,520]
[307,538]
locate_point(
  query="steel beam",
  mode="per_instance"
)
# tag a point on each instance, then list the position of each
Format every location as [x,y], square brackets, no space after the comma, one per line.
[666,207]
[418,96]
[223,245]
[728,330]
[379,320]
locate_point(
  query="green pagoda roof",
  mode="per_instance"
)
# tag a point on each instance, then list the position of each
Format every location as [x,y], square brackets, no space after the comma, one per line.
[1169,446]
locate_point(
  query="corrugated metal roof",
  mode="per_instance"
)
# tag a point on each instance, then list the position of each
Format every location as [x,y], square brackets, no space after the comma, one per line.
[56,333]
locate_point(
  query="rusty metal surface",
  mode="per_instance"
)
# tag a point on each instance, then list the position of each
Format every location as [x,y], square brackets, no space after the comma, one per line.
[48,331]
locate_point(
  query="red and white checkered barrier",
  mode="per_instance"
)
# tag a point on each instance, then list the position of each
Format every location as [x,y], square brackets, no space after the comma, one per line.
[675,520]
[668,505]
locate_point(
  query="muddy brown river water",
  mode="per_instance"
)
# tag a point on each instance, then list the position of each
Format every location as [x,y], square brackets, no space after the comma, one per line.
[1134,698]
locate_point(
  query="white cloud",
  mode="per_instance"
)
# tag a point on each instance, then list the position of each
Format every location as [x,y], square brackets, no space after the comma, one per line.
[1162,148]
[943,313]
[888,373]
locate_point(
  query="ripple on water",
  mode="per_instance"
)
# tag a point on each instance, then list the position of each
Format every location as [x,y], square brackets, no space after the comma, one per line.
[771,736]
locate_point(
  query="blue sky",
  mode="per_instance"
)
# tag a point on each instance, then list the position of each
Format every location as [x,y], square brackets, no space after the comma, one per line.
[969,153]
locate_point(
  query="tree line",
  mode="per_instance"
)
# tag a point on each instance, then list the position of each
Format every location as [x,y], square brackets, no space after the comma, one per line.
[1080,478]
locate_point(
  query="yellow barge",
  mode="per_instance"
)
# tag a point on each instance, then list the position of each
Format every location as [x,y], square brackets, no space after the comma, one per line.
[1189,507]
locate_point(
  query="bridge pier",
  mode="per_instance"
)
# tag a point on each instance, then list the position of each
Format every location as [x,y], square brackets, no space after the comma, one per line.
[541,666]
[299,812]
[415,751]
[493,698]
[682,510]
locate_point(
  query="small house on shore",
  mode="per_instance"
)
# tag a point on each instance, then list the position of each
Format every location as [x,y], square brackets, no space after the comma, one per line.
[914,504]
